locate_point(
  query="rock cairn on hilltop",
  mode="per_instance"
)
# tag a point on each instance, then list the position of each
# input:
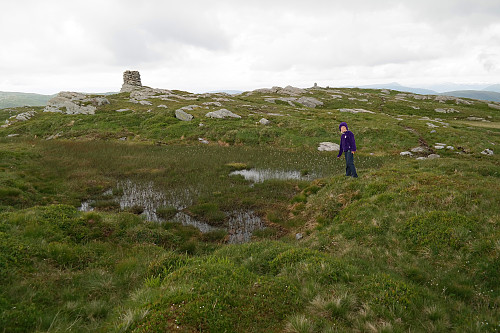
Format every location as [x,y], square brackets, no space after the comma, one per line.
[131,81]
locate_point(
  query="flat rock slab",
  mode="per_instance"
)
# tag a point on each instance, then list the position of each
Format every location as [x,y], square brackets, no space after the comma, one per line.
[182,115]
[328,146]
[418,150]
[356,111]
[221,114]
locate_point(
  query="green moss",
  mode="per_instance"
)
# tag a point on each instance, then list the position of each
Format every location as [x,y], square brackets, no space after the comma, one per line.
[386,290]
[439,230]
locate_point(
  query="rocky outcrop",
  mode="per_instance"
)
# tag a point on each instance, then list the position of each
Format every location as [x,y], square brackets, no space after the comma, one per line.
[74,103]
[450,110]
[418,150]
[310,102]
[355,111]
[218,104]
[24,116]
[131,81]
[444,99]
[221,114]
[288,90]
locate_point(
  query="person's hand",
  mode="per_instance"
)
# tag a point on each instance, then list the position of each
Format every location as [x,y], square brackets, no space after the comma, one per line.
[353,152]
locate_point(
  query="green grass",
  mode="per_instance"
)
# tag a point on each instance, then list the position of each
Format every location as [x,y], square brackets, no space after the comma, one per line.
[408,246]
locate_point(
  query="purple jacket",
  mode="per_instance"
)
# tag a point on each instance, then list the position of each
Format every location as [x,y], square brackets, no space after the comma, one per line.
[347,141]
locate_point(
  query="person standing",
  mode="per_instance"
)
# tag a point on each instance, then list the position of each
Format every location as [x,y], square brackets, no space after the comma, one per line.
[348,147]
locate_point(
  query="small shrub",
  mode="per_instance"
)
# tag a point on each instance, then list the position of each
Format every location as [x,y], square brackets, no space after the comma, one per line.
[388,291]
[58,213]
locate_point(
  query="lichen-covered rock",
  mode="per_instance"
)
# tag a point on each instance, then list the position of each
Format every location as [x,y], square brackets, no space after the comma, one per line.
[450,110]
[355,111]
[417,150]
[264,121]
[288,90]
[24,116]
[221,114]
[74,103]
[190,107]
[219,104]
[328,146]
[182,115]
[444,99]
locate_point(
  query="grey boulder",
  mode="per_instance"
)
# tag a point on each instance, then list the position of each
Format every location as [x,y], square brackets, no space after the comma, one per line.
[221,114]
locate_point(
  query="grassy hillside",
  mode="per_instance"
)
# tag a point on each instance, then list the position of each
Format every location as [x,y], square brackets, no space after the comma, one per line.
[410,245]
[16,99]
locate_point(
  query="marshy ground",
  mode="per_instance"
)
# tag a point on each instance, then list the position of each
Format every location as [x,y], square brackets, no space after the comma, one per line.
[175,234]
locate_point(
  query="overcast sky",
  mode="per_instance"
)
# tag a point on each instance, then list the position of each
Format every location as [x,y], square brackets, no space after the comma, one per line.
[49,46]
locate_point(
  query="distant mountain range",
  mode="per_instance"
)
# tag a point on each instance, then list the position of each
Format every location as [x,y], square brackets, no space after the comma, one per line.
[475,94]
[398,87]
[489,93]
[15,99]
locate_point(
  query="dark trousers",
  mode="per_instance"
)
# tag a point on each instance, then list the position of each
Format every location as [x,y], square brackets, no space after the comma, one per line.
[350,169]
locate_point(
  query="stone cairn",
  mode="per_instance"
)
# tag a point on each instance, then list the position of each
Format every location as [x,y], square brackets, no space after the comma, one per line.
[131,81]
